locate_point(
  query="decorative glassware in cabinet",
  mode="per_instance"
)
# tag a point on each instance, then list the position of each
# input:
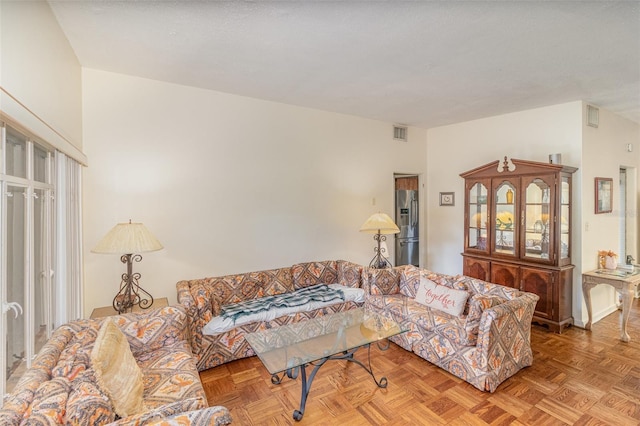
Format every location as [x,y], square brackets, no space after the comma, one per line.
[565,218]
[478,217]
[537,220]
[505,222]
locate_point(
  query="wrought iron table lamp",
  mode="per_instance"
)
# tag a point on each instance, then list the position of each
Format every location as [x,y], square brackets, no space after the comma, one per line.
[129,238]
[379,224]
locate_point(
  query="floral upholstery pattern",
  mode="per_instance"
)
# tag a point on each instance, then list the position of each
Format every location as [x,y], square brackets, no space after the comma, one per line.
[313,273]
[383,281]
[202,298]
[61,388]
[489,343]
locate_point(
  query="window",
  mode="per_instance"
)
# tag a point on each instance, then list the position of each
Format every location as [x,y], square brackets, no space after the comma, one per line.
[27,234]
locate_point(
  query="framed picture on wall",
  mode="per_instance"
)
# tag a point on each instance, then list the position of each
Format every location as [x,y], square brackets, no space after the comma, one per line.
[447,199]
[604,195]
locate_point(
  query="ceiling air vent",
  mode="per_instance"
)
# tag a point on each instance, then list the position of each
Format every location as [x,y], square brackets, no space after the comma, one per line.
[592,116]
[400,133]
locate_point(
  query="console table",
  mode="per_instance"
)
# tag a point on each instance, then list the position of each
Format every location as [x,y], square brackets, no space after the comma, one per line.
[624,281]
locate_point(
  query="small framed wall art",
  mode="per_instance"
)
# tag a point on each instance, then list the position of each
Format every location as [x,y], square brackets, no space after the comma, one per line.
[447,199]
[604,195]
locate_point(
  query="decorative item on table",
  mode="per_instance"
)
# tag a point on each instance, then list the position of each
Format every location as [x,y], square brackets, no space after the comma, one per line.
[607,259]
[379,224]
[129,238]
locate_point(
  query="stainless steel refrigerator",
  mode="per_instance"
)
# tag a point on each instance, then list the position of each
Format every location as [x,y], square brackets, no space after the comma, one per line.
[407,219]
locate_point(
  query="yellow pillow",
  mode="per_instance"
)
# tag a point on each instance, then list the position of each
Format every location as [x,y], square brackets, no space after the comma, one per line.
[116,370]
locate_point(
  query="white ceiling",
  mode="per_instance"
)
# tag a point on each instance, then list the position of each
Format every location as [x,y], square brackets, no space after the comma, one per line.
[422,64]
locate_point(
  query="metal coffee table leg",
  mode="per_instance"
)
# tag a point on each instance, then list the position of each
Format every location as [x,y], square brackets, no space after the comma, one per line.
[301,370]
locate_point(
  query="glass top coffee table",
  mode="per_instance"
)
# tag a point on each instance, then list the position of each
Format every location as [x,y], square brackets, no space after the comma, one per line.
[289,349]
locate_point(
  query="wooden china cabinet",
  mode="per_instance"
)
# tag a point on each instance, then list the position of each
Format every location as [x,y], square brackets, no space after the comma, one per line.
[517,227]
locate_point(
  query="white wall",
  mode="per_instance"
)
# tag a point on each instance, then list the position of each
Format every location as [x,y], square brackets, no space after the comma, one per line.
[604,152]
[228,184]
[39,68]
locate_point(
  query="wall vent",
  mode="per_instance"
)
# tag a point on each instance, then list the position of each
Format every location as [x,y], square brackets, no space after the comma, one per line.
[592,116]
[400,133]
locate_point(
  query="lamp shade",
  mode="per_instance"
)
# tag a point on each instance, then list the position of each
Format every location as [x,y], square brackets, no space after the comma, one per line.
[128,238]
[379,223]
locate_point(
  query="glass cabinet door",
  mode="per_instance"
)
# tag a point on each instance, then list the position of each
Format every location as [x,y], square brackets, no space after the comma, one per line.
[505,225]
[565,219]
[538,219]
[477,208]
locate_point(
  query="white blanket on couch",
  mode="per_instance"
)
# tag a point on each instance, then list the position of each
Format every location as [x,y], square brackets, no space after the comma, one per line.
[221,324]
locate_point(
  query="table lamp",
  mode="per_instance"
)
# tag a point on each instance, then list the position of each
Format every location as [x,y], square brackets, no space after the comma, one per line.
[129,238]
[379,224]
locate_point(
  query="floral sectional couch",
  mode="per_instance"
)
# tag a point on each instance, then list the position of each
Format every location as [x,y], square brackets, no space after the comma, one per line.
[61,386]
[488,342]
[204,299]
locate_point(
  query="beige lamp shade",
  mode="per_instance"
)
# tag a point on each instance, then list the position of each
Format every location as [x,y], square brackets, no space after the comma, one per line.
[379,223]
[128,238]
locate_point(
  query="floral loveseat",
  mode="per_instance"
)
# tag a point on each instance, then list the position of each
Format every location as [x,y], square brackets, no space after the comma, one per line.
[488,343]
[205,298]
[61,385]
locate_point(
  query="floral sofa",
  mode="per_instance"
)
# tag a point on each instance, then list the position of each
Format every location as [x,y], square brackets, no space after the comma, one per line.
[61,385]
[488,343]
[204,299]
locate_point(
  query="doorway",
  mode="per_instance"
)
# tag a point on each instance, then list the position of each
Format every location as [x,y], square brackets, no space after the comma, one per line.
[629,250]
[407,217]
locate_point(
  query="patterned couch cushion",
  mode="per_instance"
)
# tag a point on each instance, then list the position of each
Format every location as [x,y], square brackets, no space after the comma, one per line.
[476,286]
[170,376]
[153,330]
[162,412]
[383,281]
[349,274]
[313,273]
[50,402]
[87,403]
[240,287]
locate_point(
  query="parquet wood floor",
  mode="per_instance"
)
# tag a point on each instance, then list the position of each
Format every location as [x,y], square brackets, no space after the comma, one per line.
[578,378]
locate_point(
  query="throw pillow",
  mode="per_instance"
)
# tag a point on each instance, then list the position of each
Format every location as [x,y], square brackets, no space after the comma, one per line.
[117,371]
[441,297]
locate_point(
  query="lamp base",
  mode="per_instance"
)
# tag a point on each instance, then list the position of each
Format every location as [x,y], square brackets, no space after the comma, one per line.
[379,261]
[130,293]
